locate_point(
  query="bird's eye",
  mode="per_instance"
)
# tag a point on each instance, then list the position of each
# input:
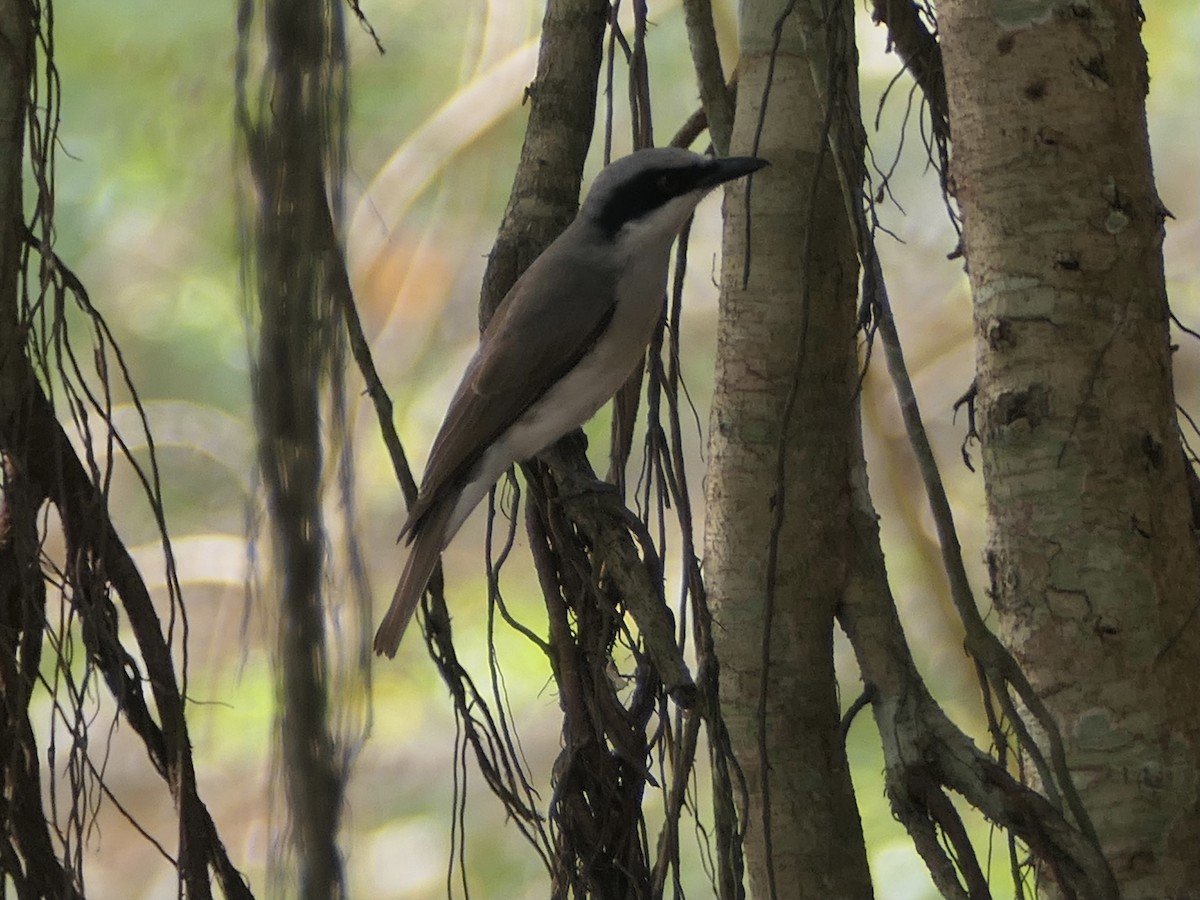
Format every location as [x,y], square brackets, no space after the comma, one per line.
[669,184]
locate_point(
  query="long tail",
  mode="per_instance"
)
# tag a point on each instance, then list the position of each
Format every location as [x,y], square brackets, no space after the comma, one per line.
[427,546]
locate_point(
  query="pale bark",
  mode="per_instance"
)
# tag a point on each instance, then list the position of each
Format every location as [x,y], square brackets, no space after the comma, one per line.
[775,330]
[1092,554]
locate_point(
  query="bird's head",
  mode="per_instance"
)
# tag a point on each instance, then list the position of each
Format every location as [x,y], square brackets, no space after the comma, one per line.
[649,194]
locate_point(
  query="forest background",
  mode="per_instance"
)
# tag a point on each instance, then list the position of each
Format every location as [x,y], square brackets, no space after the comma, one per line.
[146,216]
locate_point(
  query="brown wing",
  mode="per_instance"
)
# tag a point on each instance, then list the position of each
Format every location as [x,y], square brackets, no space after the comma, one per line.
[534,339]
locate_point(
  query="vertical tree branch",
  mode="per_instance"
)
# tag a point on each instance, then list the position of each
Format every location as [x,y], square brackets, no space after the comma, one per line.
[715,95]
[1091,541]
[776,543]
[296,154]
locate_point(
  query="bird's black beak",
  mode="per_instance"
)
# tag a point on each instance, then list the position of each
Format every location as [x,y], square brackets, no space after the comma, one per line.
[732,167]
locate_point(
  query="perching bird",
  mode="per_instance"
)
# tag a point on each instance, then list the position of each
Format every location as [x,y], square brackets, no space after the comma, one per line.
[561,342]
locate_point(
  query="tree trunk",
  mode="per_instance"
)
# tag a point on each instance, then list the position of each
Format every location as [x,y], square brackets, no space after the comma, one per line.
[777,334]
[1092,554]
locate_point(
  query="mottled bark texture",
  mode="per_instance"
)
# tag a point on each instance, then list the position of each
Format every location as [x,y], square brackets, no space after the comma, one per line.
[792,323]
[1092,554]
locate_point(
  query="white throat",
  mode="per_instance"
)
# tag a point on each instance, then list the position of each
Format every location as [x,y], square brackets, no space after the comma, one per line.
[652,231]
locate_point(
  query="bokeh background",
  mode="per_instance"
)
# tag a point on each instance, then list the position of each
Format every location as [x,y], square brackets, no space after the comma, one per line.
[146,215]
